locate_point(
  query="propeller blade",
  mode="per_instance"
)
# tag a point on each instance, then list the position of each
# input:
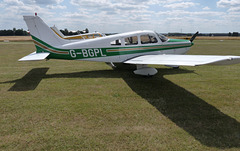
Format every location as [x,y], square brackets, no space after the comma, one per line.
[194,36]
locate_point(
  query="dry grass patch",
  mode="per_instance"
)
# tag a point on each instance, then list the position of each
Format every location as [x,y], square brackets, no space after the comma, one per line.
[15,38]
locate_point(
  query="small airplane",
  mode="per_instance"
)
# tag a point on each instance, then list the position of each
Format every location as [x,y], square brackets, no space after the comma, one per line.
[139,47]
[79,36]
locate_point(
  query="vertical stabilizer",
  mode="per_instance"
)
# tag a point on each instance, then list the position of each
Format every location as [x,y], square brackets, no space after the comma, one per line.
[40,30]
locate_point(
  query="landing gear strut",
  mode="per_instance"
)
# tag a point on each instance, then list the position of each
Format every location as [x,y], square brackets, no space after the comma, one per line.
[111,65]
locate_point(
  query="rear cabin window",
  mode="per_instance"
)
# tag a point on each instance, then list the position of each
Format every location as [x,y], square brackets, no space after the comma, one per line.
[131,40]
[148,39]
[116,42]
[96,35]
[90,36]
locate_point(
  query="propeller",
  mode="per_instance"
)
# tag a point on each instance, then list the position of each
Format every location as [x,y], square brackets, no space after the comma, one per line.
[194,36]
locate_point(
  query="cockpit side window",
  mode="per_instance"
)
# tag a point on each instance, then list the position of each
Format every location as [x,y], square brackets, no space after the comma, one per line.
[162,37]
[116,42]
[131,40]
[148,39]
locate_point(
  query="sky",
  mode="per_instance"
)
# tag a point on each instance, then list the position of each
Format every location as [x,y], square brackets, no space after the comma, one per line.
[110,16]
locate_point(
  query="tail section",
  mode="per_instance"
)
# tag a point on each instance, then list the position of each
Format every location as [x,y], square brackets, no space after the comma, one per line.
[46,41]
[40,30]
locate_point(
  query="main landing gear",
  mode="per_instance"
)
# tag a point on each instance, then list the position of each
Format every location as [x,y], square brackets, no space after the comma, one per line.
[143,69]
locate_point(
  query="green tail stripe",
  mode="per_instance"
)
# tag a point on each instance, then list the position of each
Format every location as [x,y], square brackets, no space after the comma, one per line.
[47,45]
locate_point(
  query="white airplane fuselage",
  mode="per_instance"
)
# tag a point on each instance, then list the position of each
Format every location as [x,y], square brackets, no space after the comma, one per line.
[115,48]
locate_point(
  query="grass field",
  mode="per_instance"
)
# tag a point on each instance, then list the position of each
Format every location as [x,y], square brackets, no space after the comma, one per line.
[71,105]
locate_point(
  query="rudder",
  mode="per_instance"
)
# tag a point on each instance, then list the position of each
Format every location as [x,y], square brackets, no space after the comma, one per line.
[40,30]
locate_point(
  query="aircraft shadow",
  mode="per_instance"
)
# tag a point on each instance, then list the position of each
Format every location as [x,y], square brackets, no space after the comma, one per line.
[30,81]
[203,121]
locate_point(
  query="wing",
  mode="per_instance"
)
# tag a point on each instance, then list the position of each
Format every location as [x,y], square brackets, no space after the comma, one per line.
[35,56]
[184,60]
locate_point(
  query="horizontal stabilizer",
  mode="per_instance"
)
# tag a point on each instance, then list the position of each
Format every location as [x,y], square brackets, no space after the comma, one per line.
[35,56]
[184,60]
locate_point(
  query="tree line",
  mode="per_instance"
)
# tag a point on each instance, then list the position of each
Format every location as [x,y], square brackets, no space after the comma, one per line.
[233,34]
[13,32]
[21,32]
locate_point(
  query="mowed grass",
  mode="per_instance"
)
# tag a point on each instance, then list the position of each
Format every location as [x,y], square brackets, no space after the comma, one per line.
[74,105]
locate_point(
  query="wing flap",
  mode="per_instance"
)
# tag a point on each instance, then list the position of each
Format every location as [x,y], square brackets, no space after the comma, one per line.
[184,60]
[35,56]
